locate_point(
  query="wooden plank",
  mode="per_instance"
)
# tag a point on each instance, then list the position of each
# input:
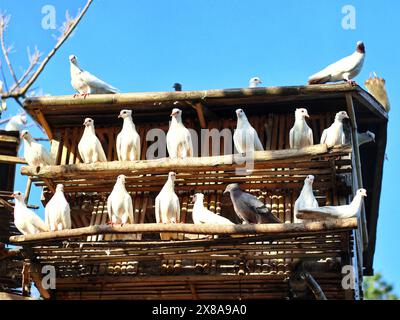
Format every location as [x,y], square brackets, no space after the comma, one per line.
[279,228]
[43,122]
[11,159]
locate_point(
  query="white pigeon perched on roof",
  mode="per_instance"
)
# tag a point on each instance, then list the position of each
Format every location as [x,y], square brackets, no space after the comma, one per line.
[16,123]
[306,198]
[57,211]
[254,82]
[89,147]
[86,83]
[179,139]
[245,137]
[201,214]
[335,212]
[25,220]
[119,203]
[365,137]
[128,140]
[34,153]
[167,206]
[301,135]
[344,69]
[334,135]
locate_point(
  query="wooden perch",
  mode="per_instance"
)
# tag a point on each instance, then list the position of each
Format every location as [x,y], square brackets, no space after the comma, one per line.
[181,165]
[247,229]
[12,159]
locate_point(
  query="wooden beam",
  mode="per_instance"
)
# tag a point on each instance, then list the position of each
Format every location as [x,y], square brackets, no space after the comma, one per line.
[35,274]
[182,165]
[43,122]
[198,106]
[28,189]
[12,159]
[357,159]
[247,229]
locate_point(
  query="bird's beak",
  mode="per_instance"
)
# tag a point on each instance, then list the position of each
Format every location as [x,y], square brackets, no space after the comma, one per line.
[13,195]
[307,115]
[173,114]
[119,116]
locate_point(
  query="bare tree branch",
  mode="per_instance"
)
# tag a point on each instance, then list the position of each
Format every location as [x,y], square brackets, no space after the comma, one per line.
[33,61]
[4,20]
[68,28]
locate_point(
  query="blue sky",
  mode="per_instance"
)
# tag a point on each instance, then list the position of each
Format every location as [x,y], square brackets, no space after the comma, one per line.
[148,45]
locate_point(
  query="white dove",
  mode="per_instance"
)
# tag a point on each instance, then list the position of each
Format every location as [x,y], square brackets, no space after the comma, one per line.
[85,83]
[365,137]
[201,214]
[57,211]
[16,123]
[306,198]
[245,137]
[119,203]
[89,147]
[25,220]
[34,153]
[344,69]
[128,140]
[335,212]
[334,135]
[254,82]
[167,207]
[179,139]
[301,134]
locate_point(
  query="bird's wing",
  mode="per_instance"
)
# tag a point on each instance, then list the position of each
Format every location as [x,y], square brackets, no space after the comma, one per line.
[326,212]
[237,140]
[137,147]
[35,221]
[310,137]
[109,207]
[291,138]
[45,155]
[118,145]
[100,150]
[66,215]
[189,143]
[324,136]
[81,149]
[96,84]
[47,210]
[171,143]
[257,143]
[157,210]
[178,209]
[129,205]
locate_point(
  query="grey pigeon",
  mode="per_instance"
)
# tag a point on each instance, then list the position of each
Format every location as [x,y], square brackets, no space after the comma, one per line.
[254,82]
[245,137]
[89,147]
[365,137]
[301,134]
[344,69]
[86,83]
[306,198]
[57,211]
[335,212]
[334,135]
[248,208]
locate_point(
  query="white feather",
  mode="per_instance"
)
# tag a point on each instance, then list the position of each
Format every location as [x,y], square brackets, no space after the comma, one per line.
[89,147]
[245,137]
[58,212]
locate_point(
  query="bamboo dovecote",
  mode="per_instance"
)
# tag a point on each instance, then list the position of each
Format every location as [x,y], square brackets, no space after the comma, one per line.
[92,261]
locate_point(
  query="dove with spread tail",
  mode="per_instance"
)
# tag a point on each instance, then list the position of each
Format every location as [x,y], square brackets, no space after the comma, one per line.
[335,135]
[57,211]
[179,139]
[306,198]
[245,137]
[25,220]
[201,214]
[335,212]
[34,153]
[301,135]
[119,203]
[89,147]
[128,140]
[344,69]
[254,82]
[167,206]
[16,123]
[86,83]
[248,208]
[365,137]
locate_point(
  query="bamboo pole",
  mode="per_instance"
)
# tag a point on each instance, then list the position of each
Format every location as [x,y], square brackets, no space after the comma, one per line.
[164,165]
[320,226]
